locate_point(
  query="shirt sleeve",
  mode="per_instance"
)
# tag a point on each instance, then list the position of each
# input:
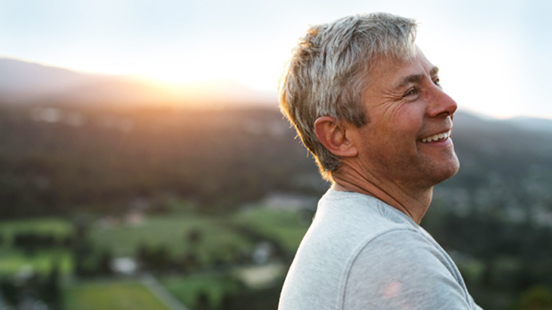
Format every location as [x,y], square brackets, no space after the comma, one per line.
[402,270]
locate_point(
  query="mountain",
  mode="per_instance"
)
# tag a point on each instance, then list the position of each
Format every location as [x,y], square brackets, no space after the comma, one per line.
[531,123]
[22,81]
[30,83]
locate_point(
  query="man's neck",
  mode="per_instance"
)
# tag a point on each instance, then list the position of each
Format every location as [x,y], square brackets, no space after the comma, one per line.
[412,202]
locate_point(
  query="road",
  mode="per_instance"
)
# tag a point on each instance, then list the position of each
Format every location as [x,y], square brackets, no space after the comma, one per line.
[160,292]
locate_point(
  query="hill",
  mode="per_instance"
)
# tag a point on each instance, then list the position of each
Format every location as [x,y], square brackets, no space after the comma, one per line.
[30,83]
[61,158]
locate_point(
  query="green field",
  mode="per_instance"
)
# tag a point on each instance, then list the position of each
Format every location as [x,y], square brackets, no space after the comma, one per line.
[13,260]
[110,295]
[216,239]
[42,262]
[187,289]
[59,228]
[285,227]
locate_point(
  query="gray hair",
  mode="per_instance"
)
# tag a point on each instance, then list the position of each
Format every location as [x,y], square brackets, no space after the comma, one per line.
[328,72]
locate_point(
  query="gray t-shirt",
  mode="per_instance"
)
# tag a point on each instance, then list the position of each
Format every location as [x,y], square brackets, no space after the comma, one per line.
[361,253]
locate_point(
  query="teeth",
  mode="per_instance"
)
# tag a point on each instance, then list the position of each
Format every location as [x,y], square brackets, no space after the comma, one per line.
[441,136]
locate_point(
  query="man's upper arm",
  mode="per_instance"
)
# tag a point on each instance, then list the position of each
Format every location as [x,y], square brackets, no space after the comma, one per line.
[402,270]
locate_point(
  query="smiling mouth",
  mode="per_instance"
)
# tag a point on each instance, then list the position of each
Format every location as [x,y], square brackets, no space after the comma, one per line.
[438,137]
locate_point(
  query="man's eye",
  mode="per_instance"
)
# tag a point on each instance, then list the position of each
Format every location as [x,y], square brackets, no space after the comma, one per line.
[437,82]
[411,92]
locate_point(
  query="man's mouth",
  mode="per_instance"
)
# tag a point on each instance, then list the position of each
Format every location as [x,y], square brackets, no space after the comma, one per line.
[437,137]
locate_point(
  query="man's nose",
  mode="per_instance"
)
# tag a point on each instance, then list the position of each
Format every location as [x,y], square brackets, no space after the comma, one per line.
[441,104]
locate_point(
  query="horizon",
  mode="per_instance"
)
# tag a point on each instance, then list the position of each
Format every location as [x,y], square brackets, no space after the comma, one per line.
[203,89]
[486,51]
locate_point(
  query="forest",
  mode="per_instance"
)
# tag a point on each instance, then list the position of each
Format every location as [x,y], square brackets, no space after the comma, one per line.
[200,199]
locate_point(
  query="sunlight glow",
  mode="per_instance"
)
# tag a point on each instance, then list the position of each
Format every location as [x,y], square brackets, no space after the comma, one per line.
[479,80]
[490,66]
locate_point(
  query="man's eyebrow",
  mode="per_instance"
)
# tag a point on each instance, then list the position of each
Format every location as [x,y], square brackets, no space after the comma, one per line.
[415,78]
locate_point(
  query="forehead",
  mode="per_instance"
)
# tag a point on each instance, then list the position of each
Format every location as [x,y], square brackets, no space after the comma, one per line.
[391,72]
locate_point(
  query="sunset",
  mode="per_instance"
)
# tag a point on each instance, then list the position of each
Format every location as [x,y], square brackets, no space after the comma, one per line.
[497,50]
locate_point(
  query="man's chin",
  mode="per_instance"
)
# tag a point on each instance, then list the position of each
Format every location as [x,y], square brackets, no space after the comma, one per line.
[449,170]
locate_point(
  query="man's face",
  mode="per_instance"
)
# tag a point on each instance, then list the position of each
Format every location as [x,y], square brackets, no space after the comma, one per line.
[406,140]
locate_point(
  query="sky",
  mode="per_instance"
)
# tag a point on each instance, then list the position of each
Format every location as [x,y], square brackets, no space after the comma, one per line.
[493,55]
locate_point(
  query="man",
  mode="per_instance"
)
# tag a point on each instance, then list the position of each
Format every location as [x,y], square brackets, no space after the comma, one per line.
[369,106]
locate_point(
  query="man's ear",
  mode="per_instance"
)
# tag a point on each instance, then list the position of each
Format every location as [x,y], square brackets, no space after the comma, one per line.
[333,136]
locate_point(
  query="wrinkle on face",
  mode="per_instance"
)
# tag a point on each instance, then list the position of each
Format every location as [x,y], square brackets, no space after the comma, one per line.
[405,102]
[390,107]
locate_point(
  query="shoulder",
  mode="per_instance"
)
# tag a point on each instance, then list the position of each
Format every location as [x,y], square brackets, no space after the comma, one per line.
[356,215]
[339,232]
[400,242]
[399,269]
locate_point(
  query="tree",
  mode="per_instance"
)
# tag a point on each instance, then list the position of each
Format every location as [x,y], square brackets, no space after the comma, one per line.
[536,298]
[51,291]
[104,263]
[194,237]
[202,301]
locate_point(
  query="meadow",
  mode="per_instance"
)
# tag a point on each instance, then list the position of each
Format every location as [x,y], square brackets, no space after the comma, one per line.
[287,228]
[39,260]
[189,289]
[58,227]
[101,295]
[215,240]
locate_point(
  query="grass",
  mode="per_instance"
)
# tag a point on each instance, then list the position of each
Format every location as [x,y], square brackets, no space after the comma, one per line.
[13,260]
[59,228]
[171,231]
[42,262]
[285,227]
[187,289]
[111,295]
[217,241]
